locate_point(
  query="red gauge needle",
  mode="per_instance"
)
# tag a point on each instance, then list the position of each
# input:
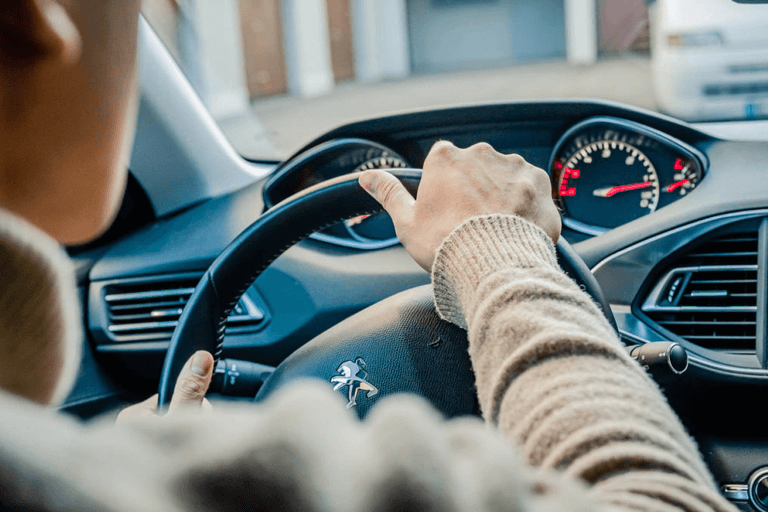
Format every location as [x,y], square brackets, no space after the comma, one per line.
[611,191]
[677,184]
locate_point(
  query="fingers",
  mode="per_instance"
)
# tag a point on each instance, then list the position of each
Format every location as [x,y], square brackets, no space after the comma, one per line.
[390,193]
[145,409]
[190,390]
[193,381]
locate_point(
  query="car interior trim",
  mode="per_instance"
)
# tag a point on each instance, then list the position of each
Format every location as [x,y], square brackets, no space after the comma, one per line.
[690,231]
[634,331]
[637,262]
[651,303]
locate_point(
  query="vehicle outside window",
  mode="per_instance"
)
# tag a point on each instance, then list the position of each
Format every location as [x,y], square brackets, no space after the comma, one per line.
[709,59]
[275,74]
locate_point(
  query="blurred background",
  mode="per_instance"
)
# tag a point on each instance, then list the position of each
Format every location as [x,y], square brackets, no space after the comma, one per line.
[276,73]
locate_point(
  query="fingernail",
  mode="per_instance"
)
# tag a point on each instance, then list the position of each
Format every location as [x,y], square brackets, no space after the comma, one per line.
[200,364]
[368,181]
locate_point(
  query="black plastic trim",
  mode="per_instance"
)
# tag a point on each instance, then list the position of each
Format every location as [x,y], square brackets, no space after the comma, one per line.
[635,262]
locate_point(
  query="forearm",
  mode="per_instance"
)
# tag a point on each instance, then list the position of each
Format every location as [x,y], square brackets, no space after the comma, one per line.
[552,375]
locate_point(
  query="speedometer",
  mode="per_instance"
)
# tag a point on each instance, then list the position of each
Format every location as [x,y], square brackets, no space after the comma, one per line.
[607,172]
[610,175]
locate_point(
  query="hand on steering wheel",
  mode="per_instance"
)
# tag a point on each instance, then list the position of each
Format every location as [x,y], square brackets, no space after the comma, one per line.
[191,386]
[456,185]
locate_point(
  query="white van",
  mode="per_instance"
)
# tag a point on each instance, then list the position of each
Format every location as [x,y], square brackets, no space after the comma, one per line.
[709,59]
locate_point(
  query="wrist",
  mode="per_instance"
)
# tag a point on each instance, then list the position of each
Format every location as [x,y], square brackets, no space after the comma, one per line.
[479,247]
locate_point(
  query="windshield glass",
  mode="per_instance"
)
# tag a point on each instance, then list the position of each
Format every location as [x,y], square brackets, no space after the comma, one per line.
[275,74]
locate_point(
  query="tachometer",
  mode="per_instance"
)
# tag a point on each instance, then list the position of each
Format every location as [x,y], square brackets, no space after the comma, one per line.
[329,160]
[608,182]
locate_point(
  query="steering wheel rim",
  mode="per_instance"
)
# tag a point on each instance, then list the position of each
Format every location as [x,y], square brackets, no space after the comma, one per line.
[203,321]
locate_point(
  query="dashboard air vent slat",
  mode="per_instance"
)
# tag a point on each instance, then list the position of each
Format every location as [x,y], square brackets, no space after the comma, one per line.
[709,295]
[150,311]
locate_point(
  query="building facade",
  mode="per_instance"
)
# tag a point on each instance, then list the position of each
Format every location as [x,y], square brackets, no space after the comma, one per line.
[237,50]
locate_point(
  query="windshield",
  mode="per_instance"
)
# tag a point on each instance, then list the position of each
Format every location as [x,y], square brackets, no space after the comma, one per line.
[275,76]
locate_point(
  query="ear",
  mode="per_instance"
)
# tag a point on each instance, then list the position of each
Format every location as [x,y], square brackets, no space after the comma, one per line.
[38,29]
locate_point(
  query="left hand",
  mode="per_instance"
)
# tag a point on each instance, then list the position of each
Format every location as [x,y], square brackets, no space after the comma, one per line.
[190,390]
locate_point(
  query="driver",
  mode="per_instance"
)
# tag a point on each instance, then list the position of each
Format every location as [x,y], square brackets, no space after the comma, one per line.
[571,422]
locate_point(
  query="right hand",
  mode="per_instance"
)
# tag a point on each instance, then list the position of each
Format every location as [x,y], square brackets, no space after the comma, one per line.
[458,184]
[189,392]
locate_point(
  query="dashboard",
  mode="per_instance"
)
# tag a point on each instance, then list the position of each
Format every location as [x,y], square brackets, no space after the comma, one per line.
[672,222]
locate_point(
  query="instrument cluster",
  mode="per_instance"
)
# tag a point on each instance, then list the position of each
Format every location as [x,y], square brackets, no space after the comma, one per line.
[607,172]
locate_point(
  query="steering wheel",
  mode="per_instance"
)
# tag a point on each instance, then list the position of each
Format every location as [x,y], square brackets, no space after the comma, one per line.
[396,345]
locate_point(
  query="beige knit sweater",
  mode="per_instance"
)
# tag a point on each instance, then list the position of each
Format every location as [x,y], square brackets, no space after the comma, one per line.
[572,424]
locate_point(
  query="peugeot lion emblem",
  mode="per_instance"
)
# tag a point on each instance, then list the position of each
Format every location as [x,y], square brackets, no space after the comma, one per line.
[353,375]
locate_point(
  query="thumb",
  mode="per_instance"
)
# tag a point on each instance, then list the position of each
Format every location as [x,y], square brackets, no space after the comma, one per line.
[390,193]
[193,381]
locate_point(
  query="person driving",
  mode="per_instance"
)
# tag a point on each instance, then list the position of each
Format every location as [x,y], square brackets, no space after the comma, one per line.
[571,422]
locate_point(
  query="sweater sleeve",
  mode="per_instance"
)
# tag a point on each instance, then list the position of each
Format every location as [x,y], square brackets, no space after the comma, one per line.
[553,376]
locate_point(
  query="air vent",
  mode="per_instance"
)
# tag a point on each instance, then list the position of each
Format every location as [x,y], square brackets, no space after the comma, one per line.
[150,311]
[709,298]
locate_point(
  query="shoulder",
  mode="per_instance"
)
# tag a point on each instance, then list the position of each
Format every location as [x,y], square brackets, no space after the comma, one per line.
[39,307]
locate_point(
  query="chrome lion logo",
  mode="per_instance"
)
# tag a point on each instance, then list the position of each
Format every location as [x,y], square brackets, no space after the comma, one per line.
[350,377]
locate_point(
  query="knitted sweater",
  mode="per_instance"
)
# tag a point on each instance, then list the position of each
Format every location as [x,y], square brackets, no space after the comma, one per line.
[571,422]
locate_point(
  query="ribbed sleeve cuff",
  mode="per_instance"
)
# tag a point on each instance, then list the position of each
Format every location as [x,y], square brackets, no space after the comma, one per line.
[478,248]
